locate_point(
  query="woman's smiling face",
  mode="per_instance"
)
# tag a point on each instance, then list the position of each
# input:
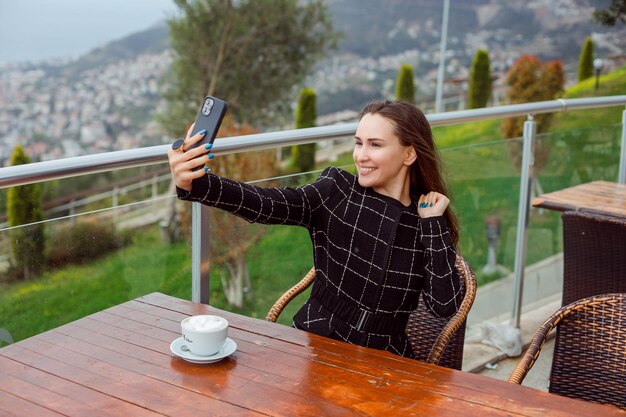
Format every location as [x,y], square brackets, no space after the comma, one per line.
[381,160]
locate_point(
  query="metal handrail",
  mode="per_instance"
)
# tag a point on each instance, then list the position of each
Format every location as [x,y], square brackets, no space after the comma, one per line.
[90,164]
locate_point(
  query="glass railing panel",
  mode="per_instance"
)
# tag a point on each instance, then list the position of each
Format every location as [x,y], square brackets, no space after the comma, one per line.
[95,255]
[579,156]
[484,189]
[484,182]
[484,192]
[562,159]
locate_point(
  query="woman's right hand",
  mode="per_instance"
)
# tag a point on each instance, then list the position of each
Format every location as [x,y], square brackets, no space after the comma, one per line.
[432,204]
[185,159]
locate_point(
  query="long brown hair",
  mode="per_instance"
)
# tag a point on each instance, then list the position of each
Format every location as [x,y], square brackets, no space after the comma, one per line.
[413,129]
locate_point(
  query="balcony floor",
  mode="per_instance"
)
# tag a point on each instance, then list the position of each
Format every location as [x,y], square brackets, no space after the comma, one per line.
[537,377]
[478,357]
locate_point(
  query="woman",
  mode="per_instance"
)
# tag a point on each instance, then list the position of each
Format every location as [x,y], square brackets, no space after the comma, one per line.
[380,239]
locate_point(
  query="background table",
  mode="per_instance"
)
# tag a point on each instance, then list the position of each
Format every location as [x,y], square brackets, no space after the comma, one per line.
[602,197]
[594,237]
[117,363]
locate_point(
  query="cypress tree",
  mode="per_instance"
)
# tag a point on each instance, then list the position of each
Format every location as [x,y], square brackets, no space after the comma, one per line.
[24,207]
[405,88]
[479,89]
[585,62]
[306,113]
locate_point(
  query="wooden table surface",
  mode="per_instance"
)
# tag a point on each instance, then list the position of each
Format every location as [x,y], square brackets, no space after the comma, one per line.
[601,197]
[117,362]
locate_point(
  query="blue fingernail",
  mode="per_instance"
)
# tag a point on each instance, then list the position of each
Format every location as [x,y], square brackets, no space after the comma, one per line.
[431,204]
[202,132]
[211,156]
[206,169]
[208,146]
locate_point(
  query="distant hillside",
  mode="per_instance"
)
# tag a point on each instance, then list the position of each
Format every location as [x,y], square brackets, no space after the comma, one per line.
[374,28]
[371,28]
[548,28]
[152,40]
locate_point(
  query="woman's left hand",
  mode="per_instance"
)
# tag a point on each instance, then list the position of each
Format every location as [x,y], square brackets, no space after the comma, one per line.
[184,160]
[432,204]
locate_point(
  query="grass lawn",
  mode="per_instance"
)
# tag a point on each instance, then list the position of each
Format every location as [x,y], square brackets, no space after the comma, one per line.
[581,146]
[63,295]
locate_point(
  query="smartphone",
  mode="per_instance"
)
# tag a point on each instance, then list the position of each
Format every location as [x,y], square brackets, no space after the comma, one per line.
[210,117]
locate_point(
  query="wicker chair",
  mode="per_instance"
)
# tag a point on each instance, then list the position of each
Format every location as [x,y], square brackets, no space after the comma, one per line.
[434,339]
[593,246]
[589,359]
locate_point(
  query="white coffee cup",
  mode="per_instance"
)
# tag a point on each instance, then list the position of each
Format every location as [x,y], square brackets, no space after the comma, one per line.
[204,335]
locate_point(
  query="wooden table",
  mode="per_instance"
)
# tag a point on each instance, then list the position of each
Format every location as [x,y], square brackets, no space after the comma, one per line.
[601,197]
[117,362]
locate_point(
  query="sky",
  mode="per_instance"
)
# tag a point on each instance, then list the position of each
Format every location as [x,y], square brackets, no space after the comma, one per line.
[34,30]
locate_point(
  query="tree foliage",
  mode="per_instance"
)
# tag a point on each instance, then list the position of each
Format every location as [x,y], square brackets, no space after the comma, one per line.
[249,53]
[405,86]
[585,62]
[480,86]
[306,114]
[552,82]
[24,208]
[530,80]
[615,13]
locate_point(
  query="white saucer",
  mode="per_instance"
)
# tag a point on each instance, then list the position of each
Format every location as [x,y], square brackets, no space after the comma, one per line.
[227,349]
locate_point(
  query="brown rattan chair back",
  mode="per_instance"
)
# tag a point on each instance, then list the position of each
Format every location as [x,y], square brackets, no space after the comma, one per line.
[434,339]
[441,340]
[594,245]
[284,299]
[589,359]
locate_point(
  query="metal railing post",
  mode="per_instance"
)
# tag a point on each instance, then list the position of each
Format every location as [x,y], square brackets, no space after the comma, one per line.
[154,190]
[526,180]
[621,175]
[200,235]
[72,210]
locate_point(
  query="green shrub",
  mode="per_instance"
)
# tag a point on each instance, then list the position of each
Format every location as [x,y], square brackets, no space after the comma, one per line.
[82,242]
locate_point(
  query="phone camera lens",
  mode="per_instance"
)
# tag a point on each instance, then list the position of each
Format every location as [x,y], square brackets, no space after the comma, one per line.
[208,105]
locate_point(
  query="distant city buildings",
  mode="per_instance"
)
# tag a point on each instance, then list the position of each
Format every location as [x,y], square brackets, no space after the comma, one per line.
[98,110]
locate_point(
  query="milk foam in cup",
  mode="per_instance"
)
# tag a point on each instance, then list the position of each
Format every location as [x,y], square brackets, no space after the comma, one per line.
[204,335]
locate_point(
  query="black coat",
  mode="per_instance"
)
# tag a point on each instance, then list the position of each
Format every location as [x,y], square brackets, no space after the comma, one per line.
[373,256]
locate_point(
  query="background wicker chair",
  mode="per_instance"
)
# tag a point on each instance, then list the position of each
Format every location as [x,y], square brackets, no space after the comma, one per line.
[589,359]
[434,339]
[594,245]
